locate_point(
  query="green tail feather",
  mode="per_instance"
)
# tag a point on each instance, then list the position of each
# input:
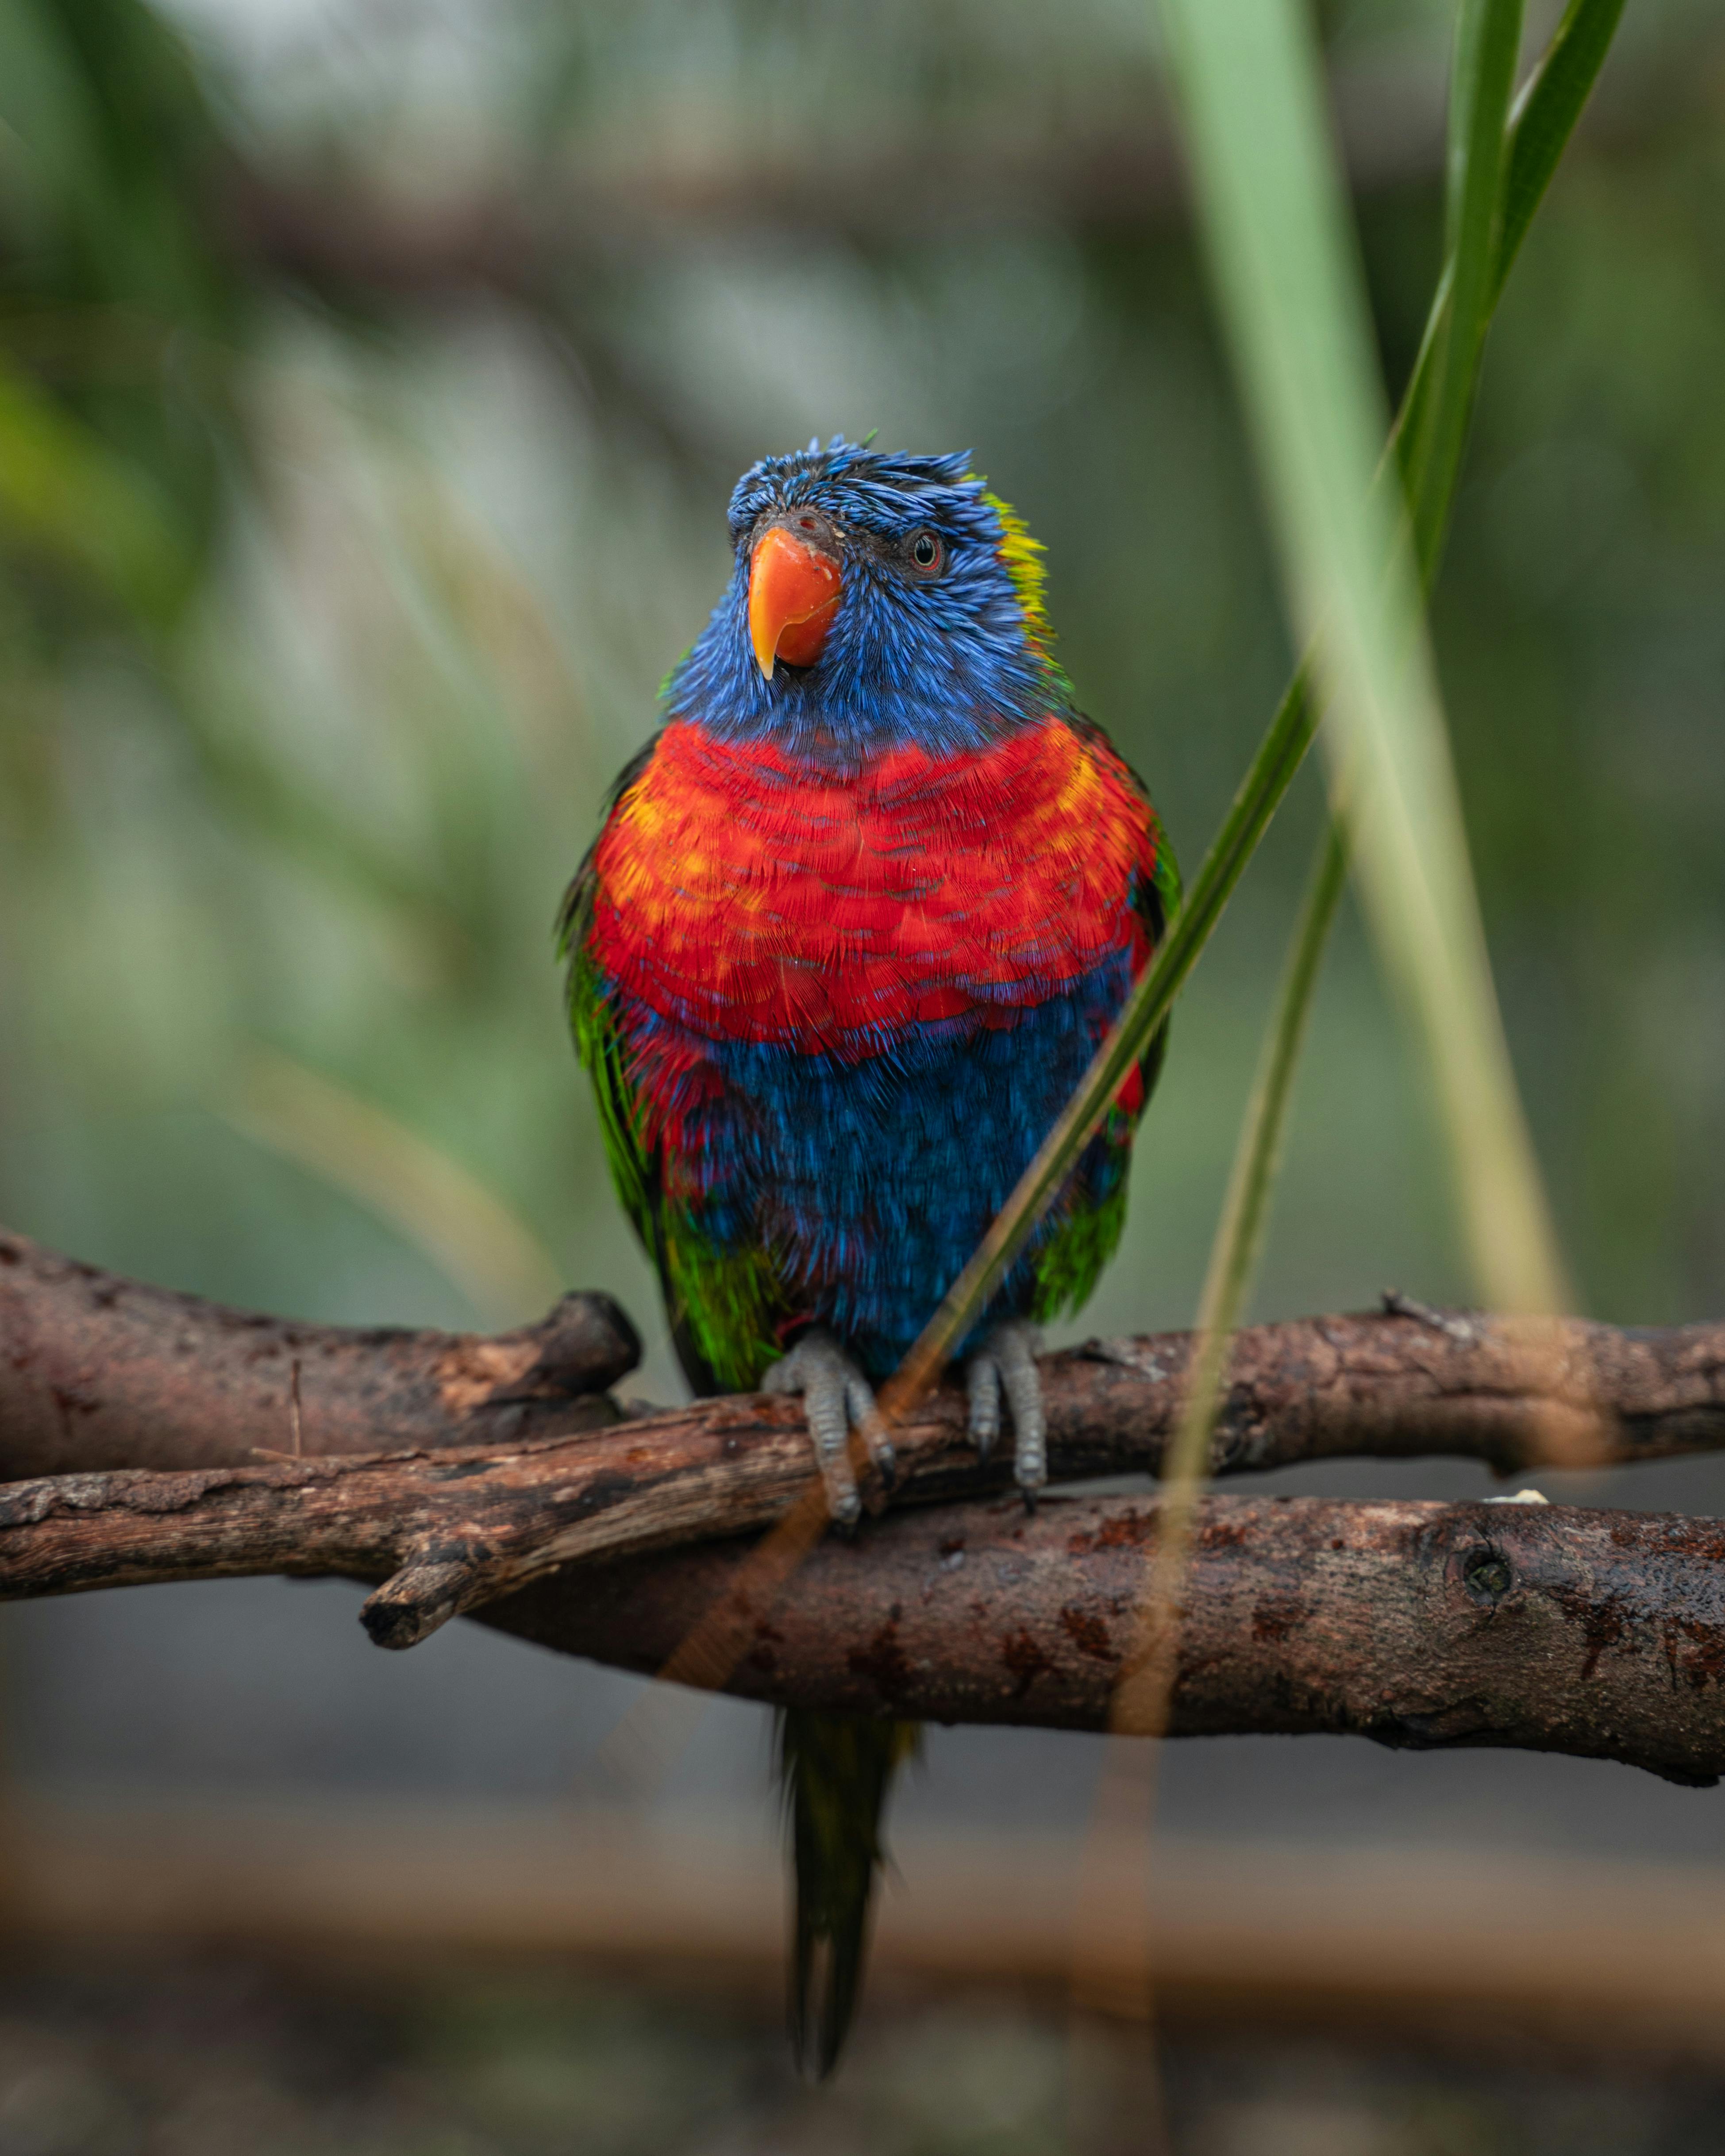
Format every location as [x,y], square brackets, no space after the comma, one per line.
[835,1770]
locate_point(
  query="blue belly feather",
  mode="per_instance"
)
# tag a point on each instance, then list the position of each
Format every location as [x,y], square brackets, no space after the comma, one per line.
[871,1183]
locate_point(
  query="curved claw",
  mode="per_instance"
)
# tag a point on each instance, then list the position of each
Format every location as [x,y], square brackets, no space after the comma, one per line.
[982,1381]
[865,1418]
[836,1399]
[1006,1362]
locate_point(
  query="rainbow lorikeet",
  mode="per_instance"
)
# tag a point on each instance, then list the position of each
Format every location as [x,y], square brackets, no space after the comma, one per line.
[857,919]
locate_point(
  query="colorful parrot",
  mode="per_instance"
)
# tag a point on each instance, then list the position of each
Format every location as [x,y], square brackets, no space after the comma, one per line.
[855,923]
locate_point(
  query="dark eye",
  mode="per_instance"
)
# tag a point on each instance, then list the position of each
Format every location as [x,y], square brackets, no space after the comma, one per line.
[927,552]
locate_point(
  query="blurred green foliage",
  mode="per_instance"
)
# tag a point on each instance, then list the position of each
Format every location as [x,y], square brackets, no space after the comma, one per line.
[335,587]
[116,308]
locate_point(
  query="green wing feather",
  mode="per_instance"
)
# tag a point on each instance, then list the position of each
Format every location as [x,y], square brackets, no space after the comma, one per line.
[724,1304]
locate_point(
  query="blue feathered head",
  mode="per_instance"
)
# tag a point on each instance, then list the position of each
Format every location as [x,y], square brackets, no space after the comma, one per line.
[876,601]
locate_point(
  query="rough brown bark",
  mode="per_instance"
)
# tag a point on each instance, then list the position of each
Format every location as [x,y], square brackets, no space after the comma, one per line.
[452,1527]
[1546,1628]
[1595,1633]
[1552,1629]
[97,1370]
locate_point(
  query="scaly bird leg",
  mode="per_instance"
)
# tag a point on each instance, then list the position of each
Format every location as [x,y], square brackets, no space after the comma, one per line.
[836,1398]
[1006,1362]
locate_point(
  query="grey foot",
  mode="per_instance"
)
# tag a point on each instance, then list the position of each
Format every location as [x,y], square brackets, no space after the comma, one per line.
[836,1399]
[1006,1362]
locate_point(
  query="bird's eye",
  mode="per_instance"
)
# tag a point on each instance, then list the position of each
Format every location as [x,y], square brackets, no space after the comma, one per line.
[927,552]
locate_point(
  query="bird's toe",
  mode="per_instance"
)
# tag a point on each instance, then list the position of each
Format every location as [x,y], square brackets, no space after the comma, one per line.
[982,1379]
[836,1398]
[1006,1362]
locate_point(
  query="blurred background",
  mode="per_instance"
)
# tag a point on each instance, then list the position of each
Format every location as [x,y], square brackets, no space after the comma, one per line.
[373,379]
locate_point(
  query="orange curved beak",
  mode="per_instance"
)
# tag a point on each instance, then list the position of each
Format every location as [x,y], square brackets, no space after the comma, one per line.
[793,594]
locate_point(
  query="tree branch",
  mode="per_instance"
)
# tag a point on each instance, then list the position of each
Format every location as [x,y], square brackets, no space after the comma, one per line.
[1421,1625]
[97,1370]
[1598,1633]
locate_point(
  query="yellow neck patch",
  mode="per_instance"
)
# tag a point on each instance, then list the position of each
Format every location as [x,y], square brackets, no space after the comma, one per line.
[1022,556]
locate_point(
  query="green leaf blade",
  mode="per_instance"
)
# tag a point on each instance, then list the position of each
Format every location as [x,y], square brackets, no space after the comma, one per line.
[1240,1232]
[1545,118]
[1538,130]
[1273,213]
[1488,35]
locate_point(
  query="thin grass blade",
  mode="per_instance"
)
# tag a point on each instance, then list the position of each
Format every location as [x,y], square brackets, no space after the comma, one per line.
[1140,1704]
[1487,40]
[1271,204]
[1257,1161]
[1271,771]
[1544,116]
[1488,34]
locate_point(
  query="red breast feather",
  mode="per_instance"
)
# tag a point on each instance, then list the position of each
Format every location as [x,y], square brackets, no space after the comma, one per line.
[748,898]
